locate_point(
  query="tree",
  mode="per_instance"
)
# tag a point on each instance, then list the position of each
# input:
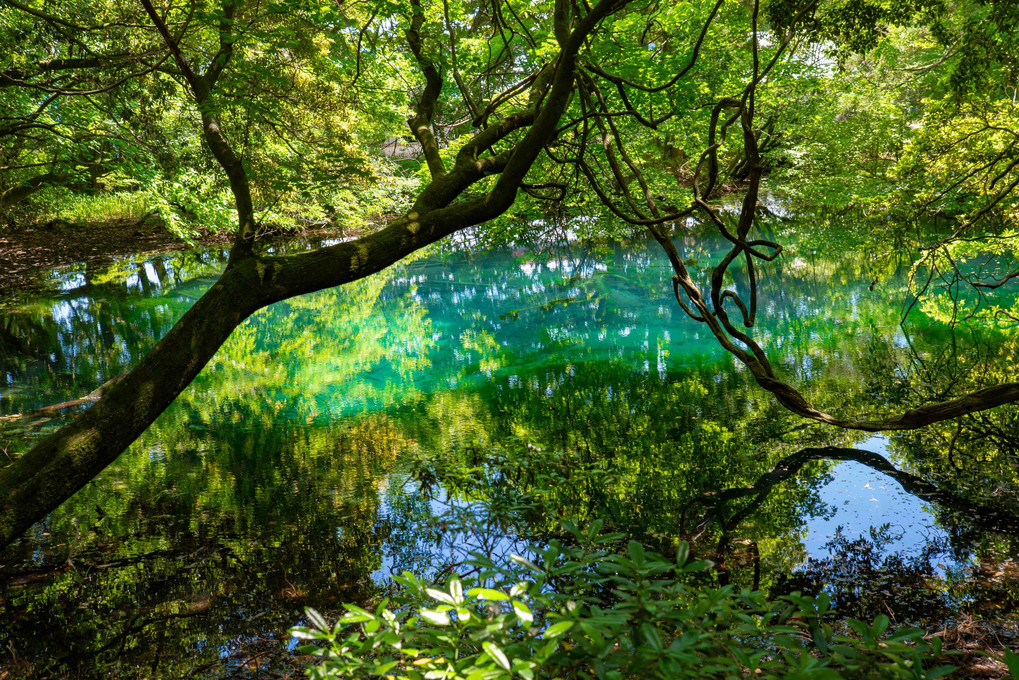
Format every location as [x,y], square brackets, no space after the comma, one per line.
[49,133]
[582,107]
[52,471]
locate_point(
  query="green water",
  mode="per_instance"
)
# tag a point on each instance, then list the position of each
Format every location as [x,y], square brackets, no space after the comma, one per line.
[278,480]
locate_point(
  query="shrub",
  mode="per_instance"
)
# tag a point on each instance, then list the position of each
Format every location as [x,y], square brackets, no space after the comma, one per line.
[590,612]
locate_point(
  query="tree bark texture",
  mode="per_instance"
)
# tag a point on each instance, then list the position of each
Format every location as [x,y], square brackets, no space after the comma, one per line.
[22,191]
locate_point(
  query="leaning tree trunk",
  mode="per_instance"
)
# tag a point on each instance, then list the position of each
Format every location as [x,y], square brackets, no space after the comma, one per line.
[70,457]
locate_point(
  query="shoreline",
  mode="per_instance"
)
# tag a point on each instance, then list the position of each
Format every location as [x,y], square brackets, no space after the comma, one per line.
[28,254]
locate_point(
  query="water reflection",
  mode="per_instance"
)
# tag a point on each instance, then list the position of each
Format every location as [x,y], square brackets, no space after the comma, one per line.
[279,478]
[467,313]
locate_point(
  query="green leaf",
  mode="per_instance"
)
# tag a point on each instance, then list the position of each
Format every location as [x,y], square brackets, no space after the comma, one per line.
[682,553]
[488,594]
[860,627]
[1012,660]
[483,674]
[699,565]
[557,629]
[524,562]
[522,612]
[817,635]
[880,625]
[317,619]
[435,617]
[354,609]
[456,590]
[651,636]
[497,654]
[386,667]
[636,551]
[439,595]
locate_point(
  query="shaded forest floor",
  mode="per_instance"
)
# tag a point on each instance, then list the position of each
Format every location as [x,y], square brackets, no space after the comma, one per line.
[27,253]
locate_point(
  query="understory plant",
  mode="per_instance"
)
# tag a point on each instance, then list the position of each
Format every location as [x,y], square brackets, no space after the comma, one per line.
[587,610]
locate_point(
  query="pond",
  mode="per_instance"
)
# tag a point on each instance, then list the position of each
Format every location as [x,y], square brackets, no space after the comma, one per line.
[312,457]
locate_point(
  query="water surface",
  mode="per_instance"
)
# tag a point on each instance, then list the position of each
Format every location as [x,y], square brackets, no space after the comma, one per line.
[279,479]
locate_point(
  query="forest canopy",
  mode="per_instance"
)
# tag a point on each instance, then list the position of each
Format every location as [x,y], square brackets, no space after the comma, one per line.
[515,122]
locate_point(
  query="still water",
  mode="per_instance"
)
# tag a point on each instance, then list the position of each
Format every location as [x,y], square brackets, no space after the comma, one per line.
[282,478]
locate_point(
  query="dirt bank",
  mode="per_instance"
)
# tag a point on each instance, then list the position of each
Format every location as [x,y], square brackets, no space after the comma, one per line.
[28,253]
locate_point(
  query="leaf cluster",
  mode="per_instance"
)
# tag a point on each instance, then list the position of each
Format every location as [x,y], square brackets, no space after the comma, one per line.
[589,612]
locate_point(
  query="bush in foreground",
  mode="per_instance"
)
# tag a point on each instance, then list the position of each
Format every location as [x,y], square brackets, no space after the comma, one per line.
[587,612]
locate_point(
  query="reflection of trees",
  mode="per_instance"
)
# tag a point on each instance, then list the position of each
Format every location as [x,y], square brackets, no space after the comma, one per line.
[601,440]
[64,346]
[858,573]
[977,455]
[24,341]
[267,486]
[983,515]
[453,317]
[166,567]
[663,439]
[864,580]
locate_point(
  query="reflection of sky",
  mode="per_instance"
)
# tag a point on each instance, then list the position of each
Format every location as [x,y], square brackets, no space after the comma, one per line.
[456,547]
[860,498]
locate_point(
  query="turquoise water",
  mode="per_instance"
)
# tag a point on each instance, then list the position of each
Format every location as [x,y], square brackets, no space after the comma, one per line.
[285,477]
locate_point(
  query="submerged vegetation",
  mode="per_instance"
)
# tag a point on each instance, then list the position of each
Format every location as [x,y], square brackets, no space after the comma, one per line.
[833,184]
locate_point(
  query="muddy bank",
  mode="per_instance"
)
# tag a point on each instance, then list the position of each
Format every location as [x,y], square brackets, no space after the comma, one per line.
[26,255]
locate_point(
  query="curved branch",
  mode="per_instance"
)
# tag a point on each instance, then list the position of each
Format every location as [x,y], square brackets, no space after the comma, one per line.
[421,122]
[984,515]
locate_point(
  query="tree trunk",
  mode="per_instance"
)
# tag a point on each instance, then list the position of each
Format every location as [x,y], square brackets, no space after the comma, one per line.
[20,192]
[68,459]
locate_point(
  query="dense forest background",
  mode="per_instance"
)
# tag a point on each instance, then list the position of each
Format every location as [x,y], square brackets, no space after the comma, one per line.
[890,108]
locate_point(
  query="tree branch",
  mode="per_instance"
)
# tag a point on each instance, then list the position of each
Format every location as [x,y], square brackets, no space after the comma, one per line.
[420,124]
[215,137]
